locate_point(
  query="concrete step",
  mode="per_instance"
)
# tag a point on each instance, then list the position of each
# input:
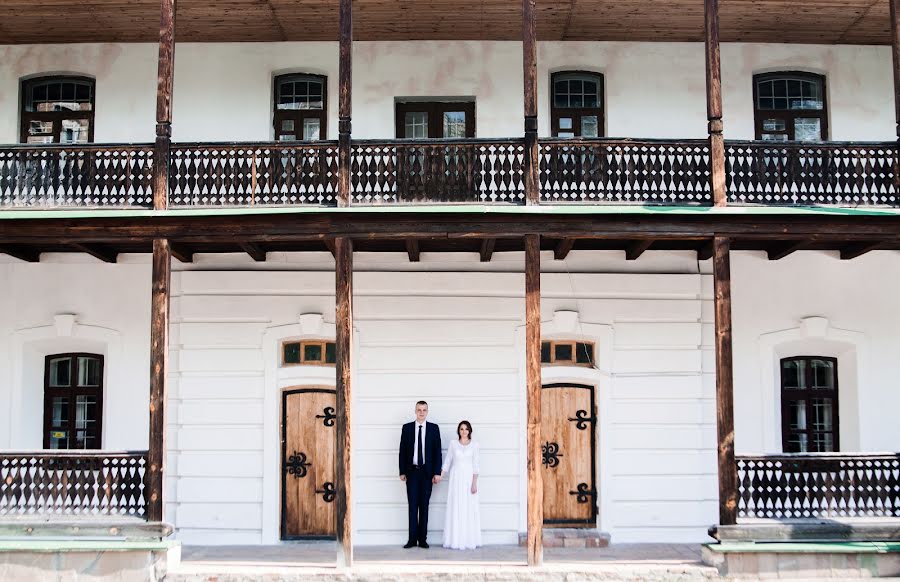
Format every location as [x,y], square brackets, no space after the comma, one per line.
[571,538]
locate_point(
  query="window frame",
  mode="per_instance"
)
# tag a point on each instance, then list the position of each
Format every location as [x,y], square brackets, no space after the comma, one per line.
[298,116]
[26,86]
[787,396]
[72,392]
[573,344]
[435,110]
[578,112]
[789,115]
[323,343]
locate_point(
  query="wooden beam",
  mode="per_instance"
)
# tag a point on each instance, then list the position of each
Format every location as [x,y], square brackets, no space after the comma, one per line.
[254,250]
[412,249]
[329,244]
[705,252]
[895,52]
[714,103]
[343,364]
[529,54]
[164,84]
[345,110]
[487,249]
[21,252]
[786,249]
[535,495]
[159,357]
[105,254]
[728,478]
[183,253]
[853,251]
[562,248]
[636,249]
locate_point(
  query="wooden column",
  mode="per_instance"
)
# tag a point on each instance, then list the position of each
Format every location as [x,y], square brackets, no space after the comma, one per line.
[728,479]
[535,500]
[714,104]
[164,83]
[895,43]
[343,256]
[159,356]
[529,59]
[345,81]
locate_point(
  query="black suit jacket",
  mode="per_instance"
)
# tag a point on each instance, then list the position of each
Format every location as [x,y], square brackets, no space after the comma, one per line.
[431,446]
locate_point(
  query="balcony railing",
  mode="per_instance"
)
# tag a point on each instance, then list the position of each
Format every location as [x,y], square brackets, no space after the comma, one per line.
[824,485]
[72,483]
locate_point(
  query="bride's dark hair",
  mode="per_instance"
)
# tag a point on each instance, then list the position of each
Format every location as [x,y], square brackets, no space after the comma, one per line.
[468,425]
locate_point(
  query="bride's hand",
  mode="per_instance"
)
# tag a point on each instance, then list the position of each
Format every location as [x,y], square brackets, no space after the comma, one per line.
[474,488]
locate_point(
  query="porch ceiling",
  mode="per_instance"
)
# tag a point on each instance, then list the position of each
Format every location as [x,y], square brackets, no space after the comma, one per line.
[789,21]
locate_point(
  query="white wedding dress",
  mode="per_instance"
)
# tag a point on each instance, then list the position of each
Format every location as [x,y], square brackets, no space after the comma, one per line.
[462,523]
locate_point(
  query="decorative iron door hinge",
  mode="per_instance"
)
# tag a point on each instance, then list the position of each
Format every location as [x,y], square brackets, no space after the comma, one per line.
[296,465]
[581,419]
[328,492]
[583,493]
[550,453]
[328,417]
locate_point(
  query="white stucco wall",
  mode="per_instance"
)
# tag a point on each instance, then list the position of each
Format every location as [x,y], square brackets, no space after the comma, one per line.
[223,91]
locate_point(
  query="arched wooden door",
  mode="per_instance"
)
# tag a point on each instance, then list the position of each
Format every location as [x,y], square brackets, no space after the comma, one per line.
[307,466]
[568,428]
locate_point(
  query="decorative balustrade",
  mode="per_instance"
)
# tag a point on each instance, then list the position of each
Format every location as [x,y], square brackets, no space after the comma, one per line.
[819,485]
[72,483]
[76,175]
[411,171]
[248,174]
[807,174]
[609,171]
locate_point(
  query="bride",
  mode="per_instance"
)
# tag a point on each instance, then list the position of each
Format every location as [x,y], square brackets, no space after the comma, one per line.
[462,524]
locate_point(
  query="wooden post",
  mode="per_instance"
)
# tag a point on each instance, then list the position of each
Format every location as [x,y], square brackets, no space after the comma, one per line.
[535,500]
[343,252]
[345,73]
[159,356]
[895,45]
[164,83]
[714,104]
[728,479]
[529,59]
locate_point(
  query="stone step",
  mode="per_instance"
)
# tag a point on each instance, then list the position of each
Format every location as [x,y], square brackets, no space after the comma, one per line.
[559,537]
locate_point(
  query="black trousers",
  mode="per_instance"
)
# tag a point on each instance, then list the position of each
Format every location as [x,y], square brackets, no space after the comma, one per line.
[418,494]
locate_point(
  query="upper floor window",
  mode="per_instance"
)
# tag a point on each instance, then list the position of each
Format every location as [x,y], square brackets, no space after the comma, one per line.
[308,352]
[57,110]
[790,106]
[301,105]
[576,106]
[435,119]
[73,401]
[567,353]
[809,405]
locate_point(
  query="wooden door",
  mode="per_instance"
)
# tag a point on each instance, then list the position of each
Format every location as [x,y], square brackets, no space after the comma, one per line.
[307,452]
[568,420]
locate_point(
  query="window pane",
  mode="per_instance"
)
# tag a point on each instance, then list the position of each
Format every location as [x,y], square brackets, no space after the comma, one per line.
[565,123]
[312,352]
[822,374]
[823,442]
[563,352]
[88,371]
[74,131]
[793,374]
[773,125]
[330,353]
[589,126]
[774,137]
[822,419]
[287,137]
[287,125]
[584,353]
[766,103]
[808,129]
[797,415]
[765,89]
[59,439]
[545,352]
[292,353]
[85,422]
[455,124]
[416,123]
[60,372]
[59,412]
[311,129]
[576,100]
[566,134]
[40,127]
[797,443]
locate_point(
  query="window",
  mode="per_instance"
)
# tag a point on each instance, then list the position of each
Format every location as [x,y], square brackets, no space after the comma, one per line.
[567,353]
[309,352]
[73,401]
[809,405]
[57,110]
[576,104]
[301,107]
[790,107]
[435,119]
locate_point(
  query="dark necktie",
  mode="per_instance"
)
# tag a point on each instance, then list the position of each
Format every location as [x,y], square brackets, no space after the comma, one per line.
[419,455]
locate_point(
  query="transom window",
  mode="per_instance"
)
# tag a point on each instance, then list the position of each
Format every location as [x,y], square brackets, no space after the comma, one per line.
[309,352]
[300,107]
[435,119]
[567,353]
[790,107]
[576,108]
[809,404]
[57,110]
[73,401]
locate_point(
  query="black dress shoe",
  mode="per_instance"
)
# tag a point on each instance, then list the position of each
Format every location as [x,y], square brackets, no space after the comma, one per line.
[424,544]
[409,545]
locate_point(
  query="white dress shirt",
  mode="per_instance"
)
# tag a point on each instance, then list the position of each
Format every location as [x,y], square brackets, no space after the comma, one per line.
[424,426]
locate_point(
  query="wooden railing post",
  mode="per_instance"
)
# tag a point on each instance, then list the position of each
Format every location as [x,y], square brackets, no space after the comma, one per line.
[714,104]
[535,494]
[529,59]
[343,256]
[165,81]
[345,73]
[728,482]
[159,355]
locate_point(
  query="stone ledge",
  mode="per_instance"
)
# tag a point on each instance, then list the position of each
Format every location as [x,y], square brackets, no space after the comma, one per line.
[886,529]
[571,538]
[804,560]
[120,529]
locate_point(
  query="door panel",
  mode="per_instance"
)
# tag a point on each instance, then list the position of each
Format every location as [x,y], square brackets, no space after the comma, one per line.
[567,445]
[308,443]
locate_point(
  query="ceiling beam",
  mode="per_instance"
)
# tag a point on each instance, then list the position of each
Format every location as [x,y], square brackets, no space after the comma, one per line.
[329,244]
[636,249]
[853,251]
[21,252]
[182,252]
[562,248]
[412,249]
[105,254]
[786,249]
[256,252]
[487,249]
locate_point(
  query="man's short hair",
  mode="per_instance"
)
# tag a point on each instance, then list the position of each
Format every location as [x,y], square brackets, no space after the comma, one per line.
[421,402]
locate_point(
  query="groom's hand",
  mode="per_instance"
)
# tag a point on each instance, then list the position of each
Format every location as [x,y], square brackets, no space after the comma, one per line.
[436,479]
[403,477]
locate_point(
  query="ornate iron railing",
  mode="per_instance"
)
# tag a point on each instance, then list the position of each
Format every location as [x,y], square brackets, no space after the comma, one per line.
[76,175]
[819,485]
[410,171]
[609,171]
[807,174]
[248,174]
[72,483]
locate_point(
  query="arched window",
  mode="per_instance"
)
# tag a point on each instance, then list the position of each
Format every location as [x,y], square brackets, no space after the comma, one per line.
[576,104]
[809,405]
[790,106]
[301,106]
[57,110]
[73,401]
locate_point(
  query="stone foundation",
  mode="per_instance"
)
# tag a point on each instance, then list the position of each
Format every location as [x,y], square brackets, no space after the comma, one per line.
[571,538]
[807,560]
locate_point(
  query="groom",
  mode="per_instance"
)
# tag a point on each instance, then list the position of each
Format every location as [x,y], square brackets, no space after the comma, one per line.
[420,467]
